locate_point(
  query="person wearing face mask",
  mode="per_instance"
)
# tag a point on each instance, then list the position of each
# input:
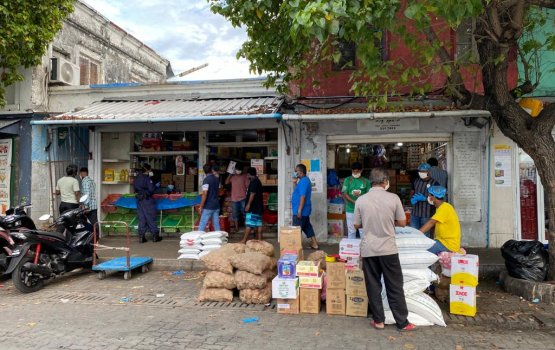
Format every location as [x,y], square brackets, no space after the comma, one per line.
[88,188]
[254,207]
[377,213]
[422,211]
[445,221]
[146,205]
[302,204]
[353,187]
[210,203]
[239,184]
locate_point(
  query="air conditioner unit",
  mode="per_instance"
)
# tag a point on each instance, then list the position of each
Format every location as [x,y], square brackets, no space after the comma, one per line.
[64,72]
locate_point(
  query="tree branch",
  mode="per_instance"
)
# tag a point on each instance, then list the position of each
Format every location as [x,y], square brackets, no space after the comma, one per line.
[550,4]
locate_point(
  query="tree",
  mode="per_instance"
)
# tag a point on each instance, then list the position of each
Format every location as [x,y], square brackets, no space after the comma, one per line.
[287,38]
[26,29]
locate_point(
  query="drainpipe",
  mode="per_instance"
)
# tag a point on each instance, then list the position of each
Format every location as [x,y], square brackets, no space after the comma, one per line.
[489,193]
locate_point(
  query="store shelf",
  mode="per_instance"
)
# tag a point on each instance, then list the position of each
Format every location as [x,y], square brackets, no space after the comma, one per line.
[115,160]
[242,144]
[163,153]
[114,183]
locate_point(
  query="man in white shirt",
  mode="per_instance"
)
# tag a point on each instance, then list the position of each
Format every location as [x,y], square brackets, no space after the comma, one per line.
[68,188]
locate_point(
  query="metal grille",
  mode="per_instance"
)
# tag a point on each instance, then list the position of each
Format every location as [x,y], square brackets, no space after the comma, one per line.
[78,298]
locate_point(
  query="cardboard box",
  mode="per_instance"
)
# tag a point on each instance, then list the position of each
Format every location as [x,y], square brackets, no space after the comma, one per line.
[179,181]
[298,253]
[357,306]
[258,164]
[290,238]
[335,301]
[464,269]
[166,179]
[310,300]
[336,228]
[286,266]
[288,306]
[462,300]
[285,288]
[308,268]
[349,247]
[334,208]
[336,217]
[356,285]
[335,273]
[352,262]
[311,282]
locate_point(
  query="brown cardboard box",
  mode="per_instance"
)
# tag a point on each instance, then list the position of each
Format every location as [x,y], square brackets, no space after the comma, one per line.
[355,283]
[290,238]
[310,300]
[336,275]
[179,181]
[357,306]
[288,306]
[335,301]
[166,180]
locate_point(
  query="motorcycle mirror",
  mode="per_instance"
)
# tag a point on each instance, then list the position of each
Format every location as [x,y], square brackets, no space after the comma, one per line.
[44,217]
[83,198]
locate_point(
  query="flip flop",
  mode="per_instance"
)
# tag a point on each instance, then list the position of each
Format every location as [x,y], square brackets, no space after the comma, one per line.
[374,325]
[315,248]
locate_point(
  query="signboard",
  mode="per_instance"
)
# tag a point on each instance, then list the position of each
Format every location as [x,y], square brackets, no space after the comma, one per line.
[467,186]
[502,166]
[389,124]
[5,174]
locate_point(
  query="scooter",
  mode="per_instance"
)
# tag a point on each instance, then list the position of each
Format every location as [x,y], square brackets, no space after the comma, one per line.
[44,255]
[15,219]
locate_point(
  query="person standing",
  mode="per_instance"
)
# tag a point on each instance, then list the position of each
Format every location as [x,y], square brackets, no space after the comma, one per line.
[446,222]
[436,173]
[254,207]
[377,213]
[88,188]
[422,211]
[210,204]
[239,184]
[67,188]
[354,186]
[146,205]
[301,204]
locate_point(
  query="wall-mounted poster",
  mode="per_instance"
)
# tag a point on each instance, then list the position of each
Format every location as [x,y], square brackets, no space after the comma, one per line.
[5,174]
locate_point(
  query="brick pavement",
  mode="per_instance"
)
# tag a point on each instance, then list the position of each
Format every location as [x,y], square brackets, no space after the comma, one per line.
[81,312]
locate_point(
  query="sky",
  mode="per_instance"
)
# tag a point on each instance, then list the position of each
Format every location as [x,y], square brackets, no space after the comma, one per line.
[185,32]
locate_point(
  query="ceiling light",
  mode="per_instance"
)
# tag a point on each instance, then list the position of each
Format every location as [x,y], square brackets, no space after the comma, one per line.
[399,144]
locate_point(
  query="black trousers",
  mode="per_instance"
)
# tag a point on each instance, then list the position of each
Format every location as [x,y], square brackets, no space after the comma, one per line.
[65,206]
[389,267]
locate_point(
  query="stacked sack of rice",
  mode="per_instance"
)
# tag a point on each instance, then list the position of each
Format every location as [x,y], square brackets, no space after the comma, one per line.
[196,244]
[247,268]
[415,261]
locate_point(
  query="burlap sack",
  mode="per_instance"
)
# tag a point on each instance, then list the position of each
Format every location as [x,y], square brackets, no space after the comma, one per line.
[318,255]
[215,294]
[256,296]
[218,260]
[237,247]
[251,262]
[217,279]
[269,274]
[247,280]
[273,264]
[261,247]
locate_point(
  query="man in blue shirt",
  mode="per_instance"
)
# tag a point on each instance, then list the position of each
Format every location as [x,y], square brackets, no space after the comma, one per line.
[301,204]
[210,204]
[146,205]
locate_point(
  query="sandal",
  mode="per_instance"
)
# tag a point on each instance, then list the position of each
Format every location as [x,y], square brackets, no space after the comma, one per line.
[315,248]
[377,325]
[407,328]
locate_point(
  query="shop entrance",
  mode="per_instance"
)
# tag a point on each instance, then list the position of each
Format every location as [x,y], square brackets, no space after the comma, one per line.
[401,159]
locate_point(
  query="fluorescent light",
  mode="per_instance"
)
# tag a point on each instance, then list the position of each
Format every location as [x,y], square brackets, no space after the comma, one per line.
[399,144]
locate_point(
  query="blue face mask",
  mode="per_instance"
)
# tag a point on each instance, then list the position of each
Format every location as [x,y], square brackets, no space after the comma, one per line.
[294,175]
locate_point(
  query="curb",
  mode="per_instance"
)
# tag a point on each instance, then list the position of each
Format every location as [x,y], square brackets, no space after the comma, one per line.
[528,290]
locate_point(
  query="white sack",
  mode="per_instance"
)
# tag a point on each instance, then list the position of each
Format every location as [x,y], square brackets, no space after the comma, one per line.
[409,238]
[214,234]
[192,235]
[188,251]
[416,259]
[413,318]
[212,241]
[421,274]
[189,256]
[211,247]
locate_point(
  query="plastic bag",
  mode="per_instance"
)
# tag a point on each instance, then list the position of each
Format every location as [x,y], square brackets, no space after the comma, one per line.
[526,259]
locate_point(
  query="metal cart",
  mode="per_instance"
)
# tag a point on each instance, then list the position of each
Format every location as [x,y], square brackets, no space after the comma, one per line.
[125,263]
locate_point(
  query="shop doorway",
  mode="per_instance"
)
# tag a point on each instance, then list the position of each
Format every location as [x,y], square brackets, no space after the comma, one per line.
[532,216]
[401,158]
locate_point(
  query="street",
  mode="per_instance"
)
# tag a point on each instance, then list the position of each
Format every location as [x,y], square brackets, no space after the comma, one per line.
[158,310]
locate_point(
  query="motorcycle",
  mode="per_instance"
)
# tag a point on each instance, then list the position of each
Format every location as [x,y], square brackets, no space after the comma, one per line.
[44,255]
[15,219]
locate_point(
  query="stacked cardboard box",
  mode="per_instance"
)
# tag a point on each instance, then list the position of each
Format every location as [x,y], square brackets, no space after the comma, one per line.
[285,286]
[335,288]
[464,279]
[310,283]
[179,182]
[357,298]
[349,250]
[189,183]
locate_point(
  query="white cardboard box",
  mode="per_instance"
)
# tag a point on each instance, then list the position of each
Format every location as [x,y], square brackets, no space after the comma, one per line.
[349,247]
[462,300]
[285,288]
[335,208]
[308,268]
[465,269]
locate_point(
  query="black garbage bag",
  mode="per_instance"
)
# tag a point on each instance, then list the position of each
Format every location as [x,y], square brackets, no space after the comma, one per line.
[526,260]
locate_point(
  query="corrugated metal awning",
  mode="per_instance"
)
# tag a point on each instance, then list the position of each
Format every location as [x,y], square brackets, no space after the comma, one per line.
[162,111]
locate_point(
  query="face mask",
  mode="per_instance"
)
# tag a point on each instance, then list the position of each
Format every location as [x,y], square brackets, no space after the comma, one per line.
[356,176]
[423,175]
[238,172]
[430,201]
[387,186]
[150,173]
[294,175]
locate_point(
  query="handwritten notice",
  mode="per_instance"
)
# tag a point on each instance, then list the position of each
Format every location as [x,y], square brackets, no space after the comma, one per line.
[5,173]
[466,193]
[389,124]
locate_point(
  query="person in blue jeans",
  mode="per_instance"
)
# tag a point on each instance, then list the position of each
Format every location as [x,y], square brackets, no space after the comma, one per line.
[301,204]
[422,211]
[210,203]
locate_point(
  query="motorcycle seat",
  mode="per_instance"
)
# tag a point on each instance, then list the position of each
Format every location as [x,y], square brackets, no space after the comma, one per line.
[56,235]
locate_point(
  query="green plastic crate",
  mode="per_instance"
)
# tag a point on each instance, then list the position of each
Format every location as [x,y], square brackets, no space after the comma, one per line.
[191,195]
[121,210]
[111,217]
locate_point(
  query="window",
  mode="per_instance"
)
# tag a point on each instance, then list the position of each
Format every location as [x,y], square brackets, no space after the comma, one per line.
[348,52]
[89,71]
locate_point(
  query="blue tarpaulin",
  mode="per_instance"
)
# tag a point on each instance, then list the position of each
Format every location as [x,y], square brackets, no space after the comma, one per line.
[161,204]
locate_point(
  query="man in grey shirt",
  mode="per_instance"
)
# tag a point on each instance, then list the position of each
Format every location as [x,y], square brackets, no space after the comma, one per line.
[377,212]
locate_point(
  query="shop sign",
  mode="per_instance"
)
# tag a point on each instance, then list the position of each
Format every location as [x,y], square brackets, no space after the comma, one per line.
[389,124]
[5,173]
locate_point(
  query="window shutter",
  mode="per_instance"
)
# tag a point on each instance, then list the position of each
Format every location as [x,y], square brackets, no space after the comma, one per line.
[93,78]
[83,71]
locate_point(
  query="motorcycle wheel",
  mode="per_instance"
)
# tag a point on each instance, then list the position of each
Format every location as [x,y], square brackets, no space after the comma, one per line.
[25,281]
